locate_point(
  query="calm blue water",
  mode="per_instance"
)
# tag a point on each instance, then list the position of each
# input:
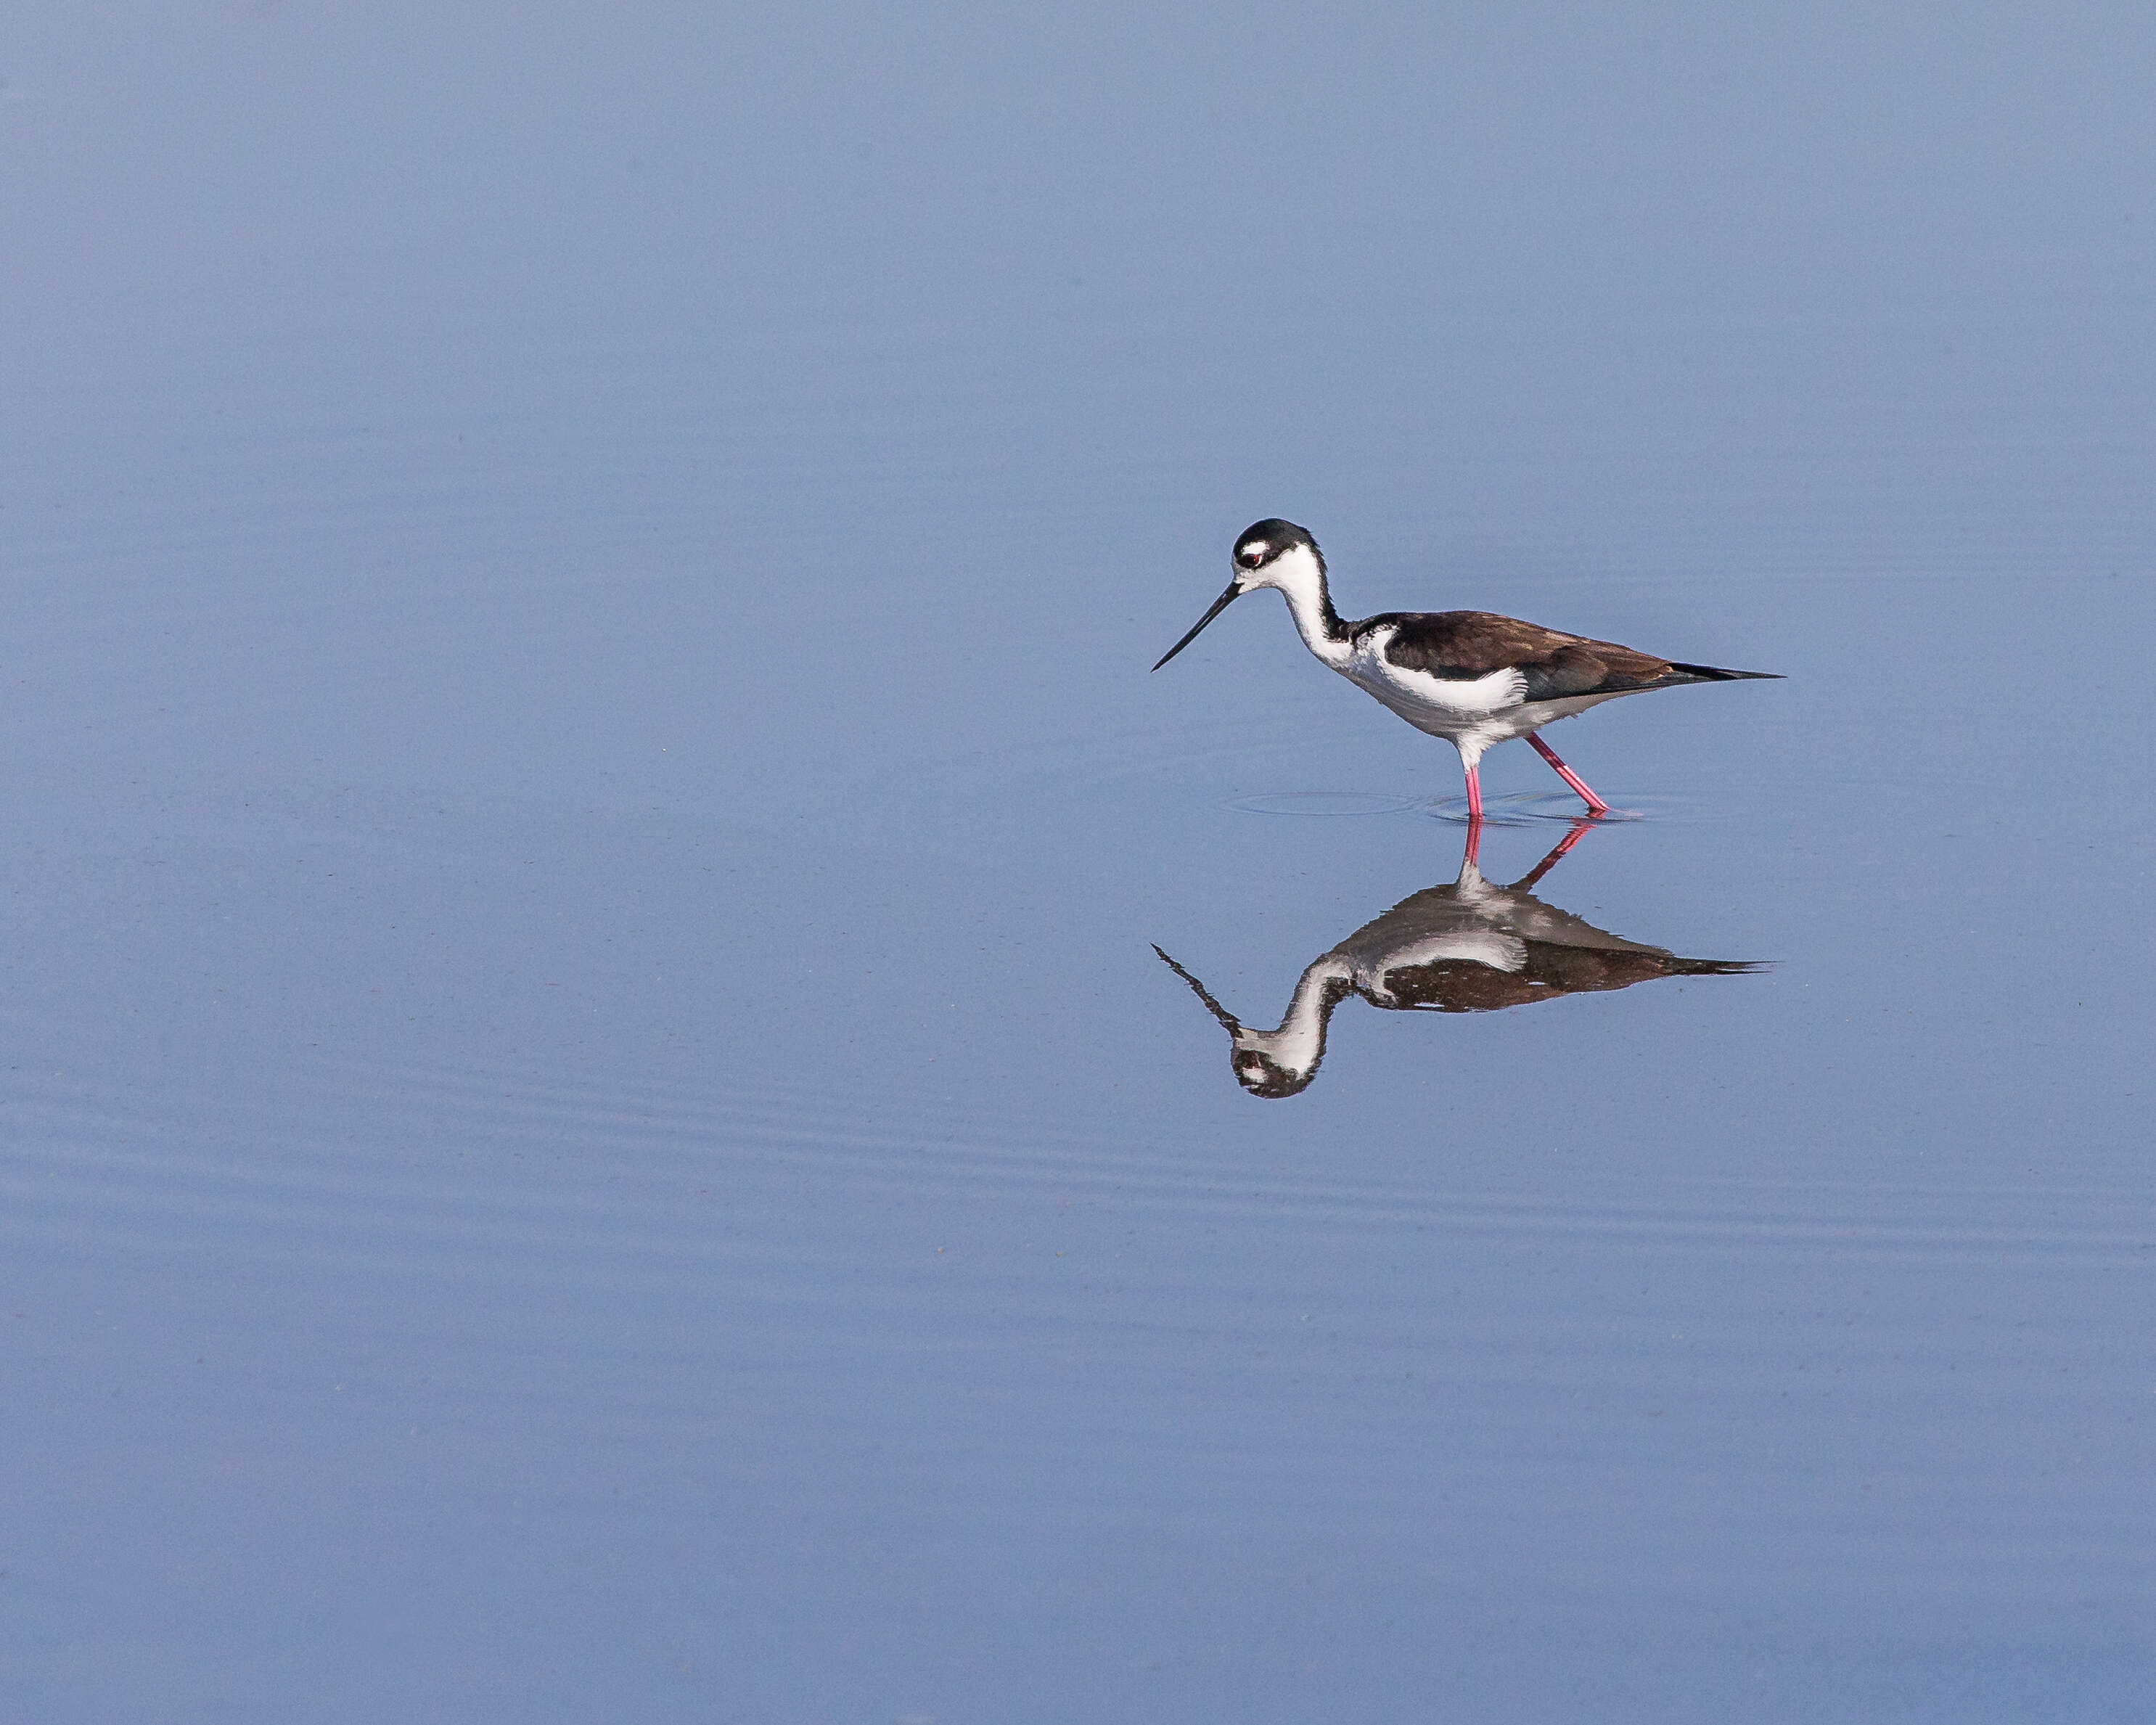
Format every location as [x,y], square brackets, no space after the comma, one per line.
[593,1125]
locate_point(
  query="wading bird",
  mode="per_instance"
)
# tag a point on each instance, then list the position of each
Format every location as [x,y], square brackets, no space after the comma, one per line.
[1471,677]
[1471,946]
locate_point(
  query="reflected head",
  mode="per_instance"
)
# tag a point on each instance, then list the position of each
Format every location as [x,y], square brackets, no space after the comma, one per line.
[1264,1076]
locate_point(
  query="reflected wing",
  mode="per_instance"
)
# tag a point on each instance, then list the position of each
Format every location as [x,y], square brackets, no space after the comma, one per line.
[1550,972]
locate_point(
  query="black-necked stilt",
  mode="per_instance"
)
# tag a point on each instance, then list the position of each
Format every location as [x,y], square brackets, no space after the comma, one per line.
[1469,946]
[1472,677]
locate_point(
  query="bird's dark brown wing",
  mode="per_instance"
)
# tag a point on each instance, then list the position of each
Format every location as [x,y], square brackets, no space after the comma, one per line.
[1463,644]
[1549,971]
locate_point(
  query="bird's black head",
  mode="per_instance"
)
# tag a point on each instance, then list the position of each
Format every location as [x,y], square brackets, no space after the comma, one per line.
[1264,556]
[1266,1077]
[1263,543]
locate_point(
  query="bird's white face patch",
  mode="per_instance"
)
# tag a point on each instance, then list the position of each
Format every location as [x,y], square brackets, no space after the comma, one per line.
[1294,571]
[1296,574]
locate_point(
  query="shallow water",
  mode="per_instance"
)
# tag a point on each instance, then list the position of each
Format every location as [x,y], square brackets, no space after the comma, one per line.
[593,1122]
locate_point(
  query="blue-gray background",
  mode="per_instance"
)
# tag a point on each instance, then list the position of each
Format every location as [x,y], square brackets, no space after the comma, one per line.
[591,1129]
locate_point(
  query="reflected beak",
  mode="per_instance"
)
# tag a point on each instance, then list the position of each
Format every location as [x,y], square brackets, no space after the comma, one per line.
[1220,605]
[1229,1021]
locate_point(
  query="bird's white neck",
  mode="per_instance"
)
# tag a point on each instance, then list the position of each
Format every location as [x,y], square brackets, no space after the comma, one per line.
[1301,579]
[1299,1044]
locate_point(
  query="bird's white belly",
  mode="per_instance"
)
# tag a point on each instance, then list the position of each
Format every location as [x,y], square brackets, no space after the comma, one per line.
[1473,714]
[1443,707]
[1492,947]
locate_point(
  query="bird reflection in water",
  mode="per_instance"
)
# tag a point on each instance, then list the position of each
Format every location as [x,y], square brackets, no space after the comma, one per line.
[1468,947]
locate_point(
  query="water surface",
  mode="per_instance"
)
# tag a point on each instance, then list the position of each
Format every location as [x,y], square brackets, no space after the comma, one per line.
[592,1121]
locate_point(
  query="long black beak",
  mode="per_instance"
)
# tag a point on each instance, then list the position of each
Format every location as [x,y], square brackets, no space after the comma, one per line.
[1220,605]
[1229,1021]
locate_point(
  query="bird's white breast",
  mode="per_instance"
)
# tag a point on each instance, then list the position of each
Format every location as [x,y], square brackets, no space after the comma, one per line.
[1492,947]
[1445,706]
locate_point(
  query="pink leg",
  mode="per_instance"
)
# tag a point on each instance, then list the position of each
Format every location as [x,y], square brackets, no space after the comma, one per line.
[1580,829]
[1474,794]
[1595,805]
[1471,857]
